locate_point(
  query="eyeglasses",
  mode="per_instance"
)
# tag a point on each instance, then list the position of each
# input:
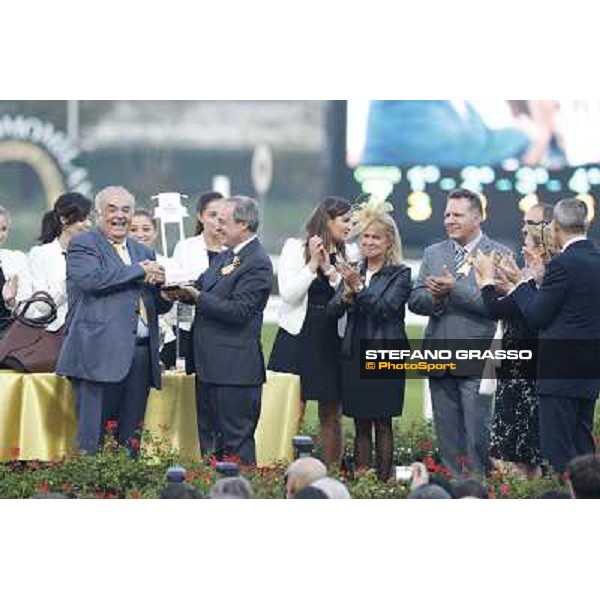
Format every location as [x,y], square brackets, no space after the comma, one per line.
[530,222]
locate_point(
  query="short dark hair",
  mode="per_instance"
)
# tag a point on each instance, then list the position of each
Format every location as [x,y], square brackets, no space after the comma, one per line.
[204,200]
[180,491]
[429,491]
[73,207]
[554,495]
[472,488]
[584,474]
[473,198]
[310,493]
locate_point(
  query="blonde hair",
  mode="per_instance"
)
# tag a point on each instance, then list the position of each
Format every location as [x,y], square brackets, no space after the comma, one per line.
[543,237]
[393,255]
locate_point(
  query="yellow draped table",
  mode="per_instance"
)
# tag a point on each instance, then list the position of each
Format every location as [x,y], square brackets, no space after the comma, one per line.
[38,422]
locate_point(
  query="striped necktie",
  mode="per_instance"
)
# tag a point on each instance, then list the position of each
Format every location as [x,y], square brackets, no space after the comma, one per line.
[122,252]
[460,259]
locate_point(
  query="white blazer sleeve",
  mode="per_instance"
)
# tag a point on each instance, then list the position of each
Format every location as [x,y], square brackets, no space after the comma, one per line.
[47,275]
[20,268]
[293,275]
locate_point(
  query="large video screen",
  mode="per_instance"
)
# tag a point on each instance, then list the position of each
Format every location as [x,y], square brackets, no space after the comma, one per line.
[514,152]
[457,133]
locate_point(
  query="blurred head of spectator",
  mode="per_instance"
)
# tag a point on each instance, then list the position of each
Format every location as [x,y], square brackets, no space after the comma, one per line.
[302,472]
[554,495]
[231,488]
[429,491]
[470,488]
[180,491]
[584,476]
[49,496]
[310,493]
[334,489]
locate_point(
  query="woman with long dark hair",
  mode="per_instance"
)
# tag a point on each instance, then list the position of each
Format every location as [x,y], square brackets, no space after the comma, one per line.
[307,342]
[47,262]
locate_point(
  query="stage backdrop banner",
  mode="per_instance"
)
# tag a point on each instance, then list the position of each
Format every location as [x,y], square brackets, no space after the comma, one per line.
[38,421]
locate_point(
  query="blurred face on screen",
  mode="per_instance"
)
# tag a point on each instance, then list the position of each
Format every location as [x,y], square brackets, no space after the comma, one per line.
[462,223]
[114,216]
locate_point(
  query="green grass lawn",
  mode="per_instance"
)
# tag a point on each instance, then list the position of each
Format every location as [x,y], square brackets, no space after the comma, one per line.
[413,409]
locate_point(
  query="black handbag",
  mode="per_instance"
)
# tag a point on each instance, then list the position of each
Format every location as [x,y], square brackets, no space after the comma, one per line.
[26,345]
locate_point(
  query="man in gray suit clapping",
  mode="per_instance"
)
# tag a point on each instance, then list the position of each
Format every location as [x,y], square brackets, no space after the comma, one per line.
[447,293]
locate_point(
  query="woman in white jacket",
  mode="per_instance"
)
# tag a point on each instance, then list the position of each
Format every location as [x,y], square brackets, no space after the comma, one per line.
[15,282]
[47,262]
[192,256]
[307,341]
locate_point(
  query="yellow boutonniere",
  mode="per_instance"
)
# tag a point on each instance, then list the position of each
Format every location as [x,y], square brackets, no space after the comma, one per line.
[465,268]
[232,266]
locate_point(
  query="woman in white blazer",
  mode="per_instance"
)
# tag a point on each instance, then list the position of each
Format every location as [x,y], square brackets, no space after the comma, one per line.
[192,256]
[15,282]
[47,262]
[307,341]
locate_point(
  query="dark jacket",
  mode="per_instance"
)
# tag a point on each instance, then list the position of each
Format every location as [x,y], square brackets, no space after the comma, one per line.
[566,309]
[229,316]
[380,307]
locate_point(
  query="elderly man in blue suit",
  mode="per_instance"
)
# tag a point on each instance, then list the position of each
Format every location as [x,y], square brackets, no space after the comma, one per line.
[566,311]
[110,353]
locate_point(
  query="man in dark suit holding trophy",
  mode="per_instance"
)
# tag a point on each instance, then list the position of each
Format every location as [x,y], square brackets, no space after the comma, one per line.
[230,298]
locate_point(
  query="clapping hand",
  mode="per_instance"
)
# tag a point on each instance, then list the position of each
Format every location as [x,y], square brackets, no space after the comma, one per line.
[350,275]
[484,265]
[507,270]
[316,251]
[534,263]
[441,285]
[9,290]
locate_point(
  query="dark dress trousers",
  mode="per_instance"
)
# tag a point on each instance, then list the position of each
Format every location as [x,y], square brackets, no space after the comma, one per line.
[566,310]
[228,351]
[111,369]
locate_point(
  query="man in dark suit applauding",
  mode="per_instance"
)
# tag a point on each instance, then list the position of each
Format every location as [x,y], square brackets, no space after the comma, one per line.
[110,352]
[566,310]
[230,298]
